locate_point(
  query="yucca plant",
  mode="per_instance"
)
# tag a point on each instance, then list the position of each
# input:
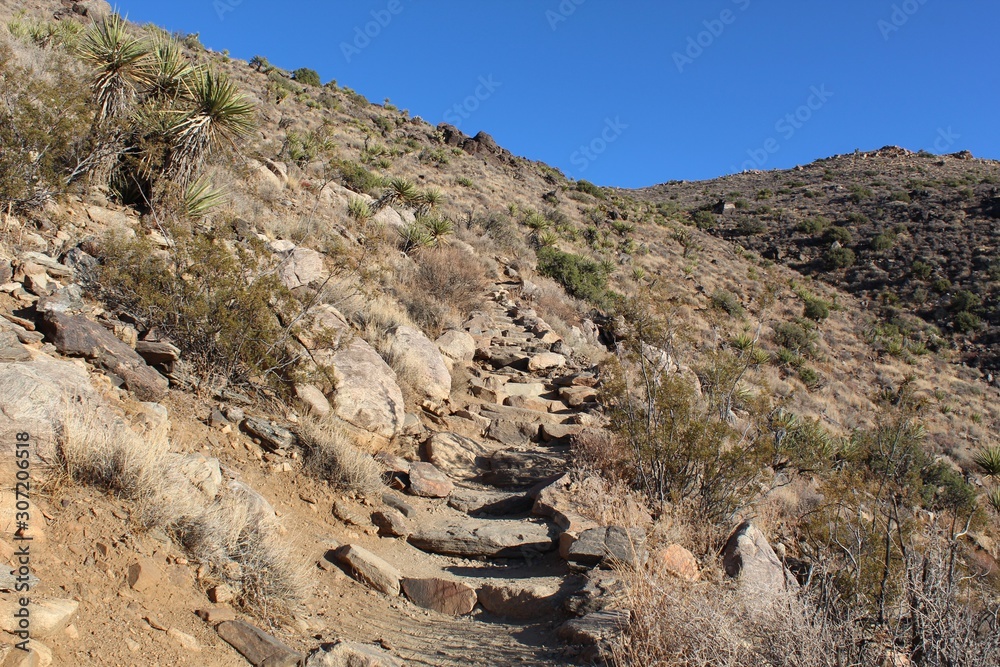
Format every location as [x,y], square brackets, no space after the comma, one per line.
[200,198]
[439,229]
[545,239]
[430,200]
[988,459]
[743,342]
[400,191]
[220,117]
[414,237]
[993,497]
[121,63]
[359,210]
[537,221]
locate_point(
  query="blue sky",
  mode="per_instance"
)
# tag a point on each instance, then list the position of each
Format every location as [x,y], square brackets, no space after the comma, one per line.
[635,93]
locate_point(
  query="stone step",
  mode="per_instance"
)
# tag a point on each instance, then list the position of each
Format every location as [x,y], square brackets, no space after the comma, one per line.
[473,538]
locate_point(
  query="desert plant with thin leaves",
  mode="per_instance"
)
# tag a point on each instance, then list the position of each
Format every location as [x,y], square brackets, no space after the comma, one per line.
[121,63]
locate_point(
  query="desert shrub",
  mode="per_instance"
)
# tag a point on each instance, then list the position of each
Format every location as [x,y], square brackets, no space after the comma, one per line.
[814,225]
[815,308]
[921,270]
[44,119]
[750,227]
[965,322]
[307,77]
[965,300]
[590,189]
[703,219]
[883,241]
[355,177]
[798,336]
[727,302]
[581,277]
[216,304]
[330,455]
[448,285]
[838,234]
[810,378]
[840,258]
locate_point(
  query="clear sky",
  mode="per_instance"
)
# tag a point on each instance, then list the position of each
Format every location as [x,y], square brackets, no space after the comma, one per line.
[632,93]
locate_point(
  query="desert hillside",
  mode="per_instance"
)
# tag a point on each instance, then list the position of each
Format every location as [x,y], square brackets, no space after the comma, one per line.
[299,379]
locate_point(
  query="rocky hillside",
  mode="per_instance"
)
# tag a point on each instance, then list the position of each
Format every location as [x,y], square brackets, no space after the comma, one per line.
[906,232]
[333,386]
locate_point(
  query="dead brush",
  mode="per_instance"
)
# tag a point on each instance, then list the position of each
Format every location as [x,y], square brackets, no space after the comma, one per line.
[330,455]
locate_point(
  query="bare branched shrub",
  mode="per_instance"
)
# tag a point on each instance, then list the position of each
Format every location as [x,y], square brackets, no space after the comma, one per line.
[448,284]
[330,455]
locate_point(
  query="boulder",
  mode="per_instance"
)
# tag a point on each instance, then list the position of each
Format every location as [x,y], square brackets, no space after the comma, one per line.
[302,267]
[457,456]
[442,595]
[39,397]
[678,561]
[368,568]
[513,469]
[605,545]
[390,523]
[366,394]
[48,615]
[457,345]
[351,654]
[313,399]
[490,538]
[258,647]
[423,361]
[75,335]
[429,482]
[546,361]
[749,557]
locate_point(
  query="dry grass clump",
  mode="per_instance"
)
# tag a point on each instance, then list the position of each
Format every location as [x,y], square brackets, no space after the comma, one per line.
[234,534]
[678,623]
[446,286]
[332,456]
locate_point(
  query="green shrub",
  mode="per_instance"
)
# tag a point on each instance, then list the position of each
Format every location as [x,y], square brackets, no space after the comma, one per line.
[356,177]
[965,300]
[750,227]
[840,258]
[590,189]
[839,235]
[815,309]
[883,241]
[813,225]
[727,302]
[966,322]
[921,270]
[809,377]
[307,77]
[581,277]
[217,305]
[901,195]
[798,336]
[703,219]
[945,489]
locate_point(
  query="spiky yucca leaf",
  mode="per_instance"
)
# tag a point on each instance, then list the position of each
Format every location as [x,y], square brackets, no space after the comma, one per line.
[200,198]
[993,496]
[400,191]
[988,459]
[121,64]
[439,229]
[221,116]
[537,221]
[414,237]
[359,210]
[169,70]
[546,239]
[743,342]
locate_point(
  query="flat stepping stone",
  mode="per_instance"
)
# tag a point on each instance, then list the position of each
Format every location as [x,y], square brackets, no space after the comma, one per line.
[442,595]
[486,538]
[608,544]
[594,629]
[258,647]
[512,469]
[521,600]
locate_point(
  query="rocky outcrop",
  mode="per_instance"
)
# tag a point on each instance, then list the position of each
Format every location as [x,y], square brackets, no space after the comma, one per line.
[365,391]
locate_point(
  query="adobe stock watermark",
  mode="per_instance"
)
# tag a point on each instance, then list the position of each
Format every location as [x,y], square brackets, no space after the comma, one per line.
[370,31]
[945,139]
[223,7]
[464,109]
[901,14]
[562,13]
[586,154]
[787,127]
[714,28]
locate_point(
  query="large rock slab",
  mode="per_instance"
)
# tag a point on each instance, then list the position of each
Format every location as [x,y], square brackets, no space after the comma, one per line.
[513,469]
[749,557]
[546,361]
[258,647]
[77,336]
[369,568]
[460,457]
[492,539]
[442,595]
[457,345]
[596,628]
[366,393]
[609,544]
[423,361]
[351,654]
[520,601]
[39,397]
[302,267]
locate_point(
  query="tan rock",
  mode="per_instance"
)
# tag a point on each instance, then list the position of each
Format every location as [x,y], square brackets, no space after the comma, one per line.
[429,482]
[368,568]
[144,574]
[442,595]
[679,562]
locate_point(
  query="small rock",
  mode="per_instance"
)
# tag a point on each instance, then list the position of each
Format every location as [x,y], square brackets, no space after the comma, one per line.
[429,482]
[144,574]
[258,647]
[546,361]
[313,399]
[390,523]
[679,562]
[221,594]
[185,640]
[608,544]
[519,601]
[398,504]
[368,568]
[216,615]
[350,654]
